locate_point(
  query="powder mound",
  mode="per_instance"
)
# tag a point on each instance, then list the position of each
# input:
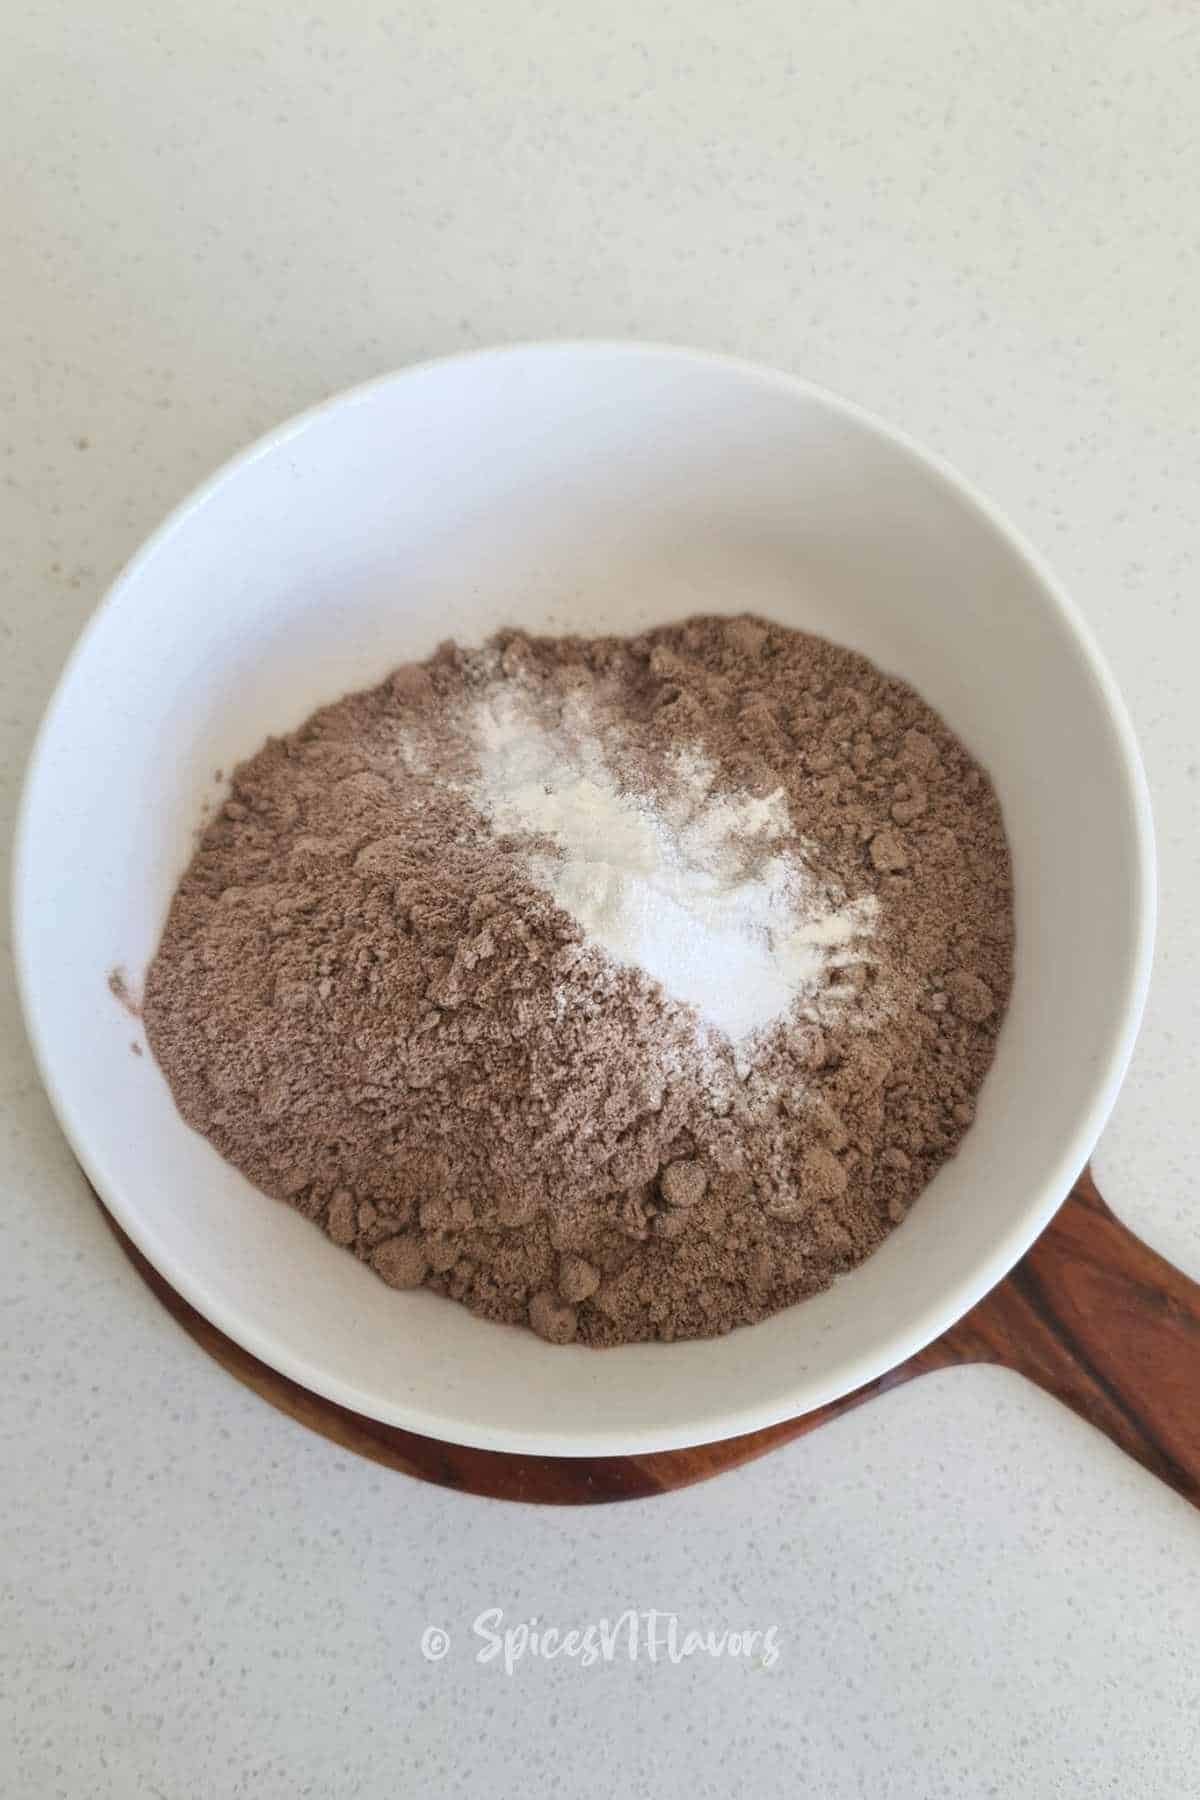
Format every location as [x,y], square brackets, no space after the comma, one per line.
[620,988]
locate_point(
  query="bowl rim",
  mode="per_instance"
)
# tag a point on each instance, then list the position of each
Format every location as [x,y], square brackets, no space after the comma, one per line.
[811,1392]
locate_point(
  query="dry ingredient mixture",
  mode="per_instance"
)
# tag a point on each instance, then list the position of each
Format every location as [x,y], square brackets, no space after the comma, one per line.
[626,988]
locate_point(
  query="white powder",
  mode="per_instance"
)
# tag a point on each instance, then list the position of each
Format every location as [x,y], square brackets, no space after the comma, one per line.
[689,886]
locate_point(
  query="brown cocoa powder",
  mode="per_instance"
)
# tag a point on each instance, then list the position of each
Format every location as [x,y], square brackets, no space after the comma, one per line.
[365,1002]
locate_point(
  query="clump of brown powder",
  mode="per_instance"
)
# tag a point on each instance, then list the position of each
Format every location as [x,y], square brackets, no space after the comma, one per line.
[368,998]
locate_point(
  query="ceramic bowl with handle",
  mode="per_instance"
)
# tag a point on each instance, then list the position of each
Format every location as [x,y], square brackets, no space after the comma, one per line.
[588,488]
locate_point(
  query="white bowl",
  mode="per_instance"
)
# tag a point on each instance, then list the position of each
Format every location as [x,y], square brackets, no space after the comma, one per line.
[593,487]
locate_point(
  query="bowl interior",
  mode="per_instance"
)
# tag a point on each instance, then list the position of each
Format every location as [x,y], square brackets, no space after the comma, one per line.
[582,488]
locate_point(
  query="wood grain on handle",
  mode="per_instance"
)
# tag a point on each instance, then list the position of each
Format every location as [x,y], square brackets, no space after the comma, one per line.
[1091,1314]
[1108,1326]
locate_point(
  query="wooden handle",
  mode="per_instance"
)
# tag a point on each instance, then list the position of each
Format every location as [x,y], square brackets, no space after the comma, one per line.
[1104,1323]
[1090,1313]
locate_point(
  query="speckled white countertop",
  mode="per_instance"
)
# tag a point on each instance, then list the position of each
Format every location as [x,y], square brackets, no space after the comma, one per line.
[981,223]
